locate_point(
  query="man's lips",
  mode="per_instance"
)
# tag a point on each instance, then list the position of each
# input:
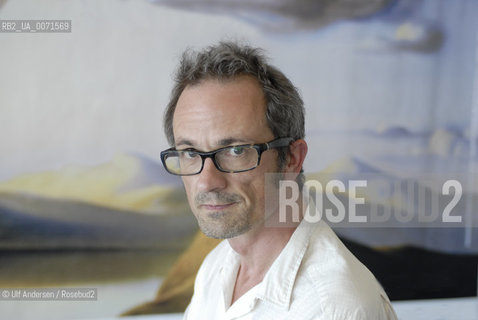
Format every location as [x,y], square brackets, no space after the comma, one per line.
[217,207]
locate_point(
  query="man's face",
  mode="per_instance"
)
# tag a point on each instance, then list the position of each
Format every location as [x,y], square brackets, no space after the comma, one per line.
[211,115]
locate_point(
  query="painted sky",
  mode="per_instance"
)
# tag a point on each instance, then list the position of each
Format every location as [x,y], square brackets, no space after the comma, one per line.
[85,97]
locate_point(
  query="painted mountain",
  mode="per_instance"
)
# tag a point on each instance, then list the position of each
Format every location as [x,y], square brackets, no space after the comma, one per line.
[128,203]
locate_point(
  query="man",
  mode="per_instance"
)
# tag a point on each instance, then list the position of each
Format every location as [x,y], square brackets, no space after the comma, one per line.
[232,119]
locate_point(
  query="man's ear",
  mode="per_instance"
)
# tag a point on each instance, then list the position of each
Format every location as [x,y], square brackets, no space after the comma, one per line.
[295,158]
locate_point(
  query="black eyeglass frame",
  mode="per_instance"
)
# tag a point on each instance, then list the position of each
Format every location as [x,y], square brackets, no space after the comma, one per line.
[260,148]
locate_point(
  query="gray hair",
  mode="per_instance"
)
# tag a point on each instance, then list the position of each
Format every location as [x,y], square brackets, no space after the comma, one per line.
[226,60]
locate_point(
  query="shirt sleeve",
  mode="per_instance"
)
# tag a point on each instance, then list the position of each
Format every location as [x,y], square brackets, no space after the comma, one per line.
[389,312]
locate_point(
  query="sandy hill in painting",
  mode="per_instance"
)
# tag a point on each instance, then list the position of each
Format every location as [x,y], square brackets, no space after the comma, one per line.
[130,202]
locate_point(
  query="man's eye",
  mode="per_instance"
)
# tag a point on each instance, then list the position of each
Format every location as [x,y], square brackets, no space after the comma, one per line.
[189,154]
[237,151]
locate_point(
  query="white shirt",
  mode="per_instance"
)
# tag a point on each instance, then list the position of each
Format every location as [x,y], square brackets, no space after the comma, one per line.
[314,277]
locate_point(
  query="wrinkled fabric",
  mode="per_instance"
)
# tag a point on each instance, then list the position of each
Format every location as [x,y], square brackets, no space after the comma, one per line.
[314,277]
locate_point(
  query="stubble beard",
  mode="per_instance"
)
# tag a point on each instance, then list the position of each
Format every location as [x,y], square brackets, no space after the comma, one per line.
[223,224]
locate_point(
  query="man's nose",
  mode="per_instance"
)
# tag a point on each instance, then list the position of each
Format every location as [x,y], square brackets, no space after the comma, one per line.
[210,178]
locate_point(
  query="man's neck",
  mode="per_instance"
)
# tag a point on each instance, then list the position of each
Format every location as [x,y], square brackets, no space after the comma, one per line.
[258,250]
[257,247]
[260,246]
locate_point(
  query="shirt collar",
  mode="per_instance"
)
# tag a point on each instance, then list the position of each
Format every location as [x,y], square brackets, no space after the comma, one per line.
[228,273]
[277,285]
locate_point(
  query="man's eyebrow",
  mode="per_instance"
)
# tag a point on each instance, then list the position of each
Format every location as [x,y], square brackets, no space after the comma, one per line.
[184,142]
[229,141]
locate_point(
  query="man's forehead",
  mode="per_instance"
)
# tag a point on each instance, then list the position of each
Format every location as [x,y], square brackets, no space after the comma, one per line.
[223,112]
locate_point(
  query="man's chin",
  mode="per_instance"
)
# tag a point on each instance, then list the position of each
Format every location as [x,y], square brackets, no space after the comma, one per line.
[222,232]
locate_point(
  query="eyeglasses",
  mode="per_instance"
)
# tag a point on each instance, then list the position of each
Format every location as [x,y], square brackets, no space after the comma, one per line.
[230,159]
